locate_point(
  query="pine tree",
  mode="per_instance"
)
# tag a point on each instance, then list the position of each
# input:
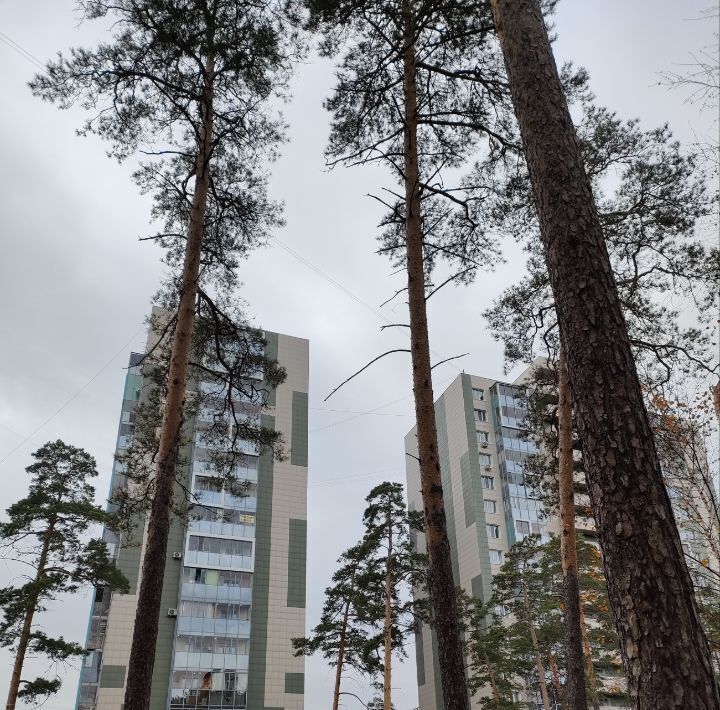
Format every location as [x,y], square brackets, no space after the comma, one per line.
[368,613]
[188,84]
[393,569]
[47,530]
[522,591]
[420,90]
[492,666]
[342,636]
[664,649]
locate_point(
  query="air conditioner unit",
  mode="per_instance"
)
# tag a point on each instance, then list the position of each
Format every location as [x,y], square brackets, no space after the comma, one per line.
[172,613]
[484,444]
[177,555]
[488,468]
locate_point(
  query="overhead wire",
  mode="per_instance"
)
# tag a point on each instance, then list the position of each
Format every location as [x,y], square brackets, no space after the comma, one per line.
[24,53]
[345,290]
[73,397]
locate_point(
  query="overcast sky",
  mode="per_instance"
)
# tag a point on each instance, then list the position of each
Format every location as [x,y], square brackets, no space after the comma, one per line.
[75,283]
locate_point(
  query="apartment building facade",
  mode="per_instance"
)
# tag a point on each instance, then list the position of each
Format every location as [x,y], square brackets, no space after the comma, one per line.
[234,580]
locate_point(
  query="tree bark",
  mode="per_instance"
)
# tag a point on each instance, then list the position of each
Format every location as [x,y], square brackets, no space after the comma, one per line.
[341,646]
[536,647]
[441,585]
[664,649]
[142,652]
[555,675]
[24,640]
[387,680]
[575,683]
[493,682]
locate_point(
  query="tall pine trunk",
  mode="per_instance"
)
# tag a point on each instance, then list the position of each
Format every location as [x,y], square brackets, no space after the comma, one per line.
[387,679]
[536,649]
[24,639]
[341,645]
[493,682]
[441,586]
[142,652]
[664,649]
[575,683]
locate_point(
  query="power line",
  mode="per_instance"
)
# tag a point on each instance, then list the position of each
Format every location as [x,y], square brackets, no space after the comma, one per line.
[21,50]
[350,411]
[74,396]
[345,290]
[371,411]
[331,280]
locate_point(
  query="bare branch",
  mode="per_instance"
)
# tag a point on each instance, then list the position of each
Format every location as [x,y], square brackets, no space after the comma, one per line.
[362,369]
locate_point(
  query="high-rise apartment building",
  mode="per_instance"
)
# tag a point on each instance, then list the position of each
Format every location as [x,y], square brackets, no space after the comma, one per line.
[234,581]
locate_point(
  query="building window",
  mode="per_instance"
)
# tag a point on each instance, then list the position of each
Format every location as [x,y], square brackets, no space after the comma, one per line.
[482,437]
[210,610]
[478,393]
[220,546]
[488,483]
[207,484]
[480,416]
[493,531]
[485,460]
[490,506]
[523,527]
[496,557]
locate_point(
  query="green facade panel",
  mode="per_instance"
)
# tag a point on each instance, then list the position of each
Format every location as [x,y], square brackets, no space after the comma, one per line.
[112,676]
[467,490]
[299,437]
[261,580]
[297,551]
[128,560]
[476,586]
[295,683]
[444,456]
[420,658]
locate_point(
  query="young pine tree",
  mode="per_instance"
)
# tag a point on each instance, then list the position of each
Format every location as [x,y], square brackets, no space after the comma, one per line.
[515,639]
[189,85]
[393,568]
[47,530]
[526,595]
[495,672]
[368,614]
[343,635]
[664,649]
